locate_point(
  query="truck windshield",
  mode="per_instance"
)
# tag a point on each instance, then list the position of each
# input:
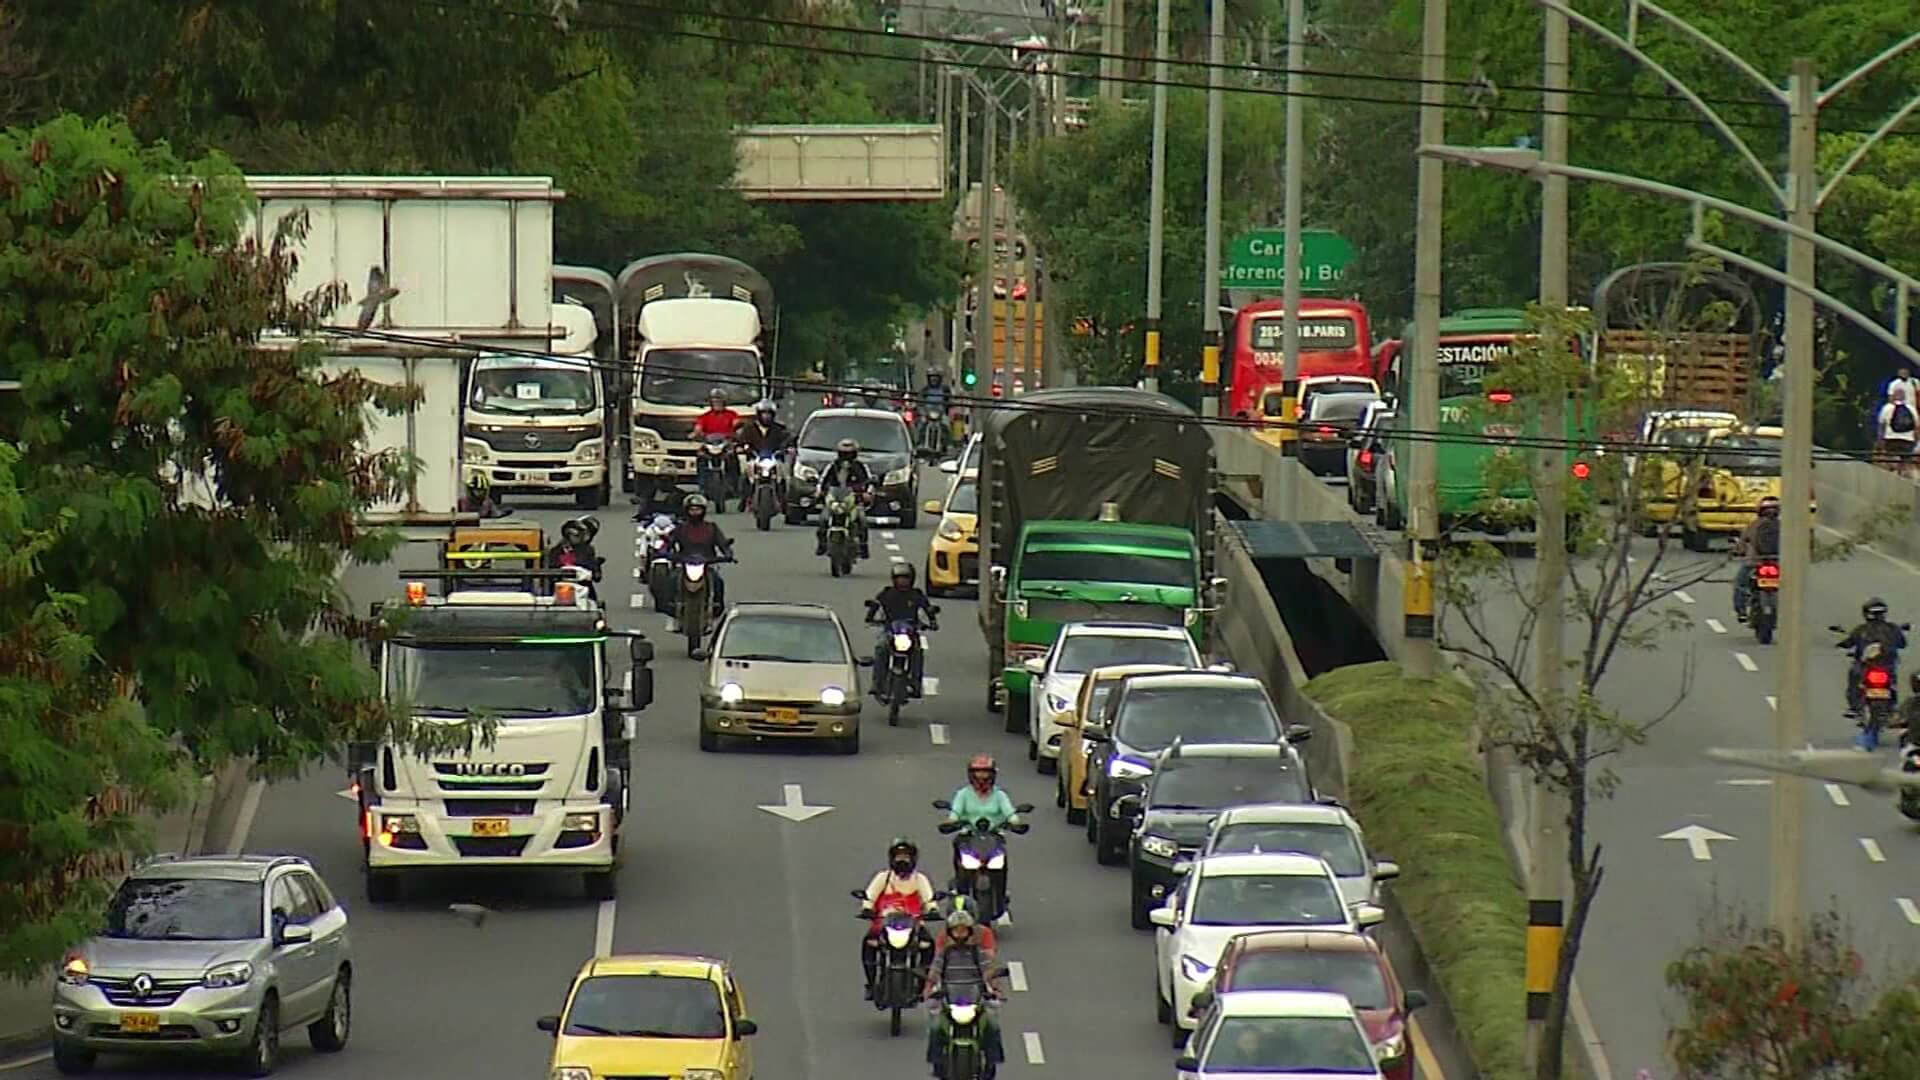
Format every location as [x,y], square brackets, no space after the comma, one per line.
[534,391]
[1113,566]
[516,680]
[687,376]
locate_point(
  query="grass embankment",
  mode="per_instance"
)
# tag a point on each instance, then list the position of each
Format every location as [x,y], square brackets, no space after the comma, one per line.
[1416,786]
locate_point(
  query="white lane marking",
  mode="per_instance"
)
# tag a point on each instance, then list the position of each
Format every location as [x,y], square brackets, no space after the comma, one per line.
[893,547]
[938,733]
[1872,848]
[1750,782]
[1017,976]
[886,535]
[1746,661]
[603,930]
[21,1063]
[1681,595]
[929,686]
[636,573]
[1838,796]
[1037,1055]
[1906,908]
[1773,703]
[1716,626]
[242,825]
[637,600]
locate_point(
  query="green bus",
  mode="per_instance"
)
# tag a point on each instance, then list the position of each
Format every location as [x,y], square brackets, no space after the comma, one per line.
[1479,422]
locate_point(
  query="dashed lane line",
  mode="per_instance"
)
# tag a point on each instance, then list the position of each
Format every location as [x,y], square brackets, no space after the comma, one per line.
[1716,626]
[603,929]
[637,600]
[1746,661]
[1017,976]
[938,733]
[1872,847]
[1908,909]
[1037,1054]
[1681,595]
[1773,703]
[1838,796]
[886,535]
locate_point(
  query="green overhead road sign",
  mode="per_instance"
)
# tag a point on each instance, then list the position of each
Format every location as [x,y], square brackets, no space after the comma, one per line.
[1257,260]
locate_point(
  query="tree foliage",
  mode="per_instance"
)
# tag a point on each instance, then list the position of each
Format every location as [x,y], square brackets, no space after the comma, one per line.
[174,499]
[1757,1006]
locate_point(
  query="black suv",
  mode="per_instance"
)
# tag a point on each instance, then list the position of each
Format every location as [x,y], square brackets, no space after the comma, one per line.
[1189,787]
[1146,713]
[886,448]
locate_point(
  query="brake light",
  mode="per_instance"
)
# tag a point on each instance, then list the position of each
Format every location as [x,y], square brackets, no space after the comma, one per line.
[907,416]
[416,592]
[1366,459]
[1581,470]
[1878,677]
[1323,430]
[1769,570]
[1500,397]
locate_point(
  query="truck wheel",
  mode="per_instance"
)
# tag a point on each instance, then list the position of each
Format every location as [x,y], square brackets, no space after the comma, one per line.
[600,884]
[709,741]
[588,499]
[383,886]
[1017,706]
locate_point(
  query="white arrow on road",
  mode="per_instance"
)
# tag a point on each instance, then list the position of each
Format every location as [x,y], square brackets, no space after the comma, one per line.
[348,794]
[795,807]
[1697,838]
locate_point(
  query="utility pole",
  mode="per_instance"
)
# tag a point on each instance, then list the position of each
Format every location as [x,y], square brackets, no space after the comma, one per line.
[1547,862]
[963,100]
[1157,196]
[1030,341]
[1296,157]
[1796,488]
[1216,122]
[984,353]
[1421,363]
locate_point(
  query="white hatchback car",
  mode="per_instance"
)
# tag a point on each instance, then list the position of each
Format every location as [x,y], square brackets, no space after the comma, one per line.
[1224,896]
[1279,1035]
[1325,831]
[1081,647]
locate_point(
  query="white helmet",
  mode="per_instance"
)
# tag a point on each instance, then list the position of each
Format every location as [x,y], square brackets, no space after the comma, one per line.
[764,405]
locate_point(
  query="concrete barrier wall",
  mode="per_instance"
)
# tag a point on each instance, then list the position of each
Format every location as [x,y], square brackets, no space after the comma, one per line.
[1851,494]
[206,824]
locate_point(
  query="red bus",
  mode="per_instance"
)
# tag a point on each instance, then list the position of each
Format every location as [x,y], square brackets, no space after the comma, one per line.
[1334,340]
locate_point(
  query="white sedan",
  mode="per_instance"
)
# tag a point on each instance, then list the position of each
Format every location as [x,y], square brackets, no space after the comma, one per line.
[1224,896]
[1080,648]
[1279,1035]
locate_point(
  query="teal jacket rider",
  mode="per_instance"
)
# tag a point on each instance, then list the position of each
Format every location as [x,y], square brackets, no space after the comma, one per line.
[970,806]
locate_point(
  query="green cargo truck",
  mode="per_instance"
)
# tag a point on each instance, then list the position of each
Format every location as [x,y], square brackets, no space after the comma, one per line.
[1095,503]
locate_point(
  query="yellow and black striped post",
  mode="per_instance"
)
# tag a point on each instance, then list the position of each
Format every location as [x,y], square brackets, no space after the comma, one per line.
[1546,925]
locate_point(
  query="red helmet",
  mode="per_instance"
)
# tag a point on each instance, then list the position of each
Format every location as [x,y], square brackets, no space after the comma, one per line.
[982,763]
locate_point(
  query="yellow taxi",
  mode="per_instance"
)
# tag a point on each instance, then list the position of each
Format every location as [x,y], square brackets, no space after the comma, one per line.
[1740,467]
[953,556]
[1675,437]
[655,1014]
[1074,788]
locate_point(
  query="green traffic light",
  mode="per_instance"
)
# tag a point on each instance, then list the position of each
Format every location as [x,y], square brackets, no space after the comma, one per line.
[970,378]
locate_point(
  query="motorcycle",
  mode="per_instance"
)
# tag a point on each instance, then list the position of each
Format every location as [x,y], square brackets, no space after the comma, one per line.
[839,509]
[964,1051]
[934,431]
[896,678]
[654,543]
[903,958]
[765,499]
[980,860]
[1763,606]
[1874,695]
[713,470]
[696,601]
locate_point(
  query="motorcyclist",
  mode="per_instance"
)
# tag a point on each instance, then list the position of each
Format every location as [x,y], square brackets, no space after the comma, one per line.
[900,602]
[981,798]
[698,536]
[479,497]
[720,420]
[574,549]
[765,434]
[1874,629]
[900,885]
[845,471]
[965,960]
[1759,540]
[934,399]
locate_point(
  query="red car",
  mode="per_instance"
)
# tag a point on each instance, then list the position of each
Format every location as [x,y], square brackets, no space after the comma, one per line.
[1329,960]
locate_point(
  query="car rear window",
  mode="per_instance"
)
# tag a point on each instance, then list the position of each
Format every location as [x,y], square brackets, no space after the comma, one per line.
[1353,972]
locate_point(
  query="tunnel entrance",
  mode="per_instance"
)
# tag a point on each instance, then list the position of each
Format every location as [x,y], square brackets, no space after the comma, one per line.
[1327,632]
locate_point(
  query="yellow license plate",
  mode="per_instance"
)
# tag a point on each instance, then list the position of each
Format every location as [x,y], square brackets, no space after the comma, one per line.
[1879,695]
[1769,583]
[490,827]
[140,1023]
[783,716]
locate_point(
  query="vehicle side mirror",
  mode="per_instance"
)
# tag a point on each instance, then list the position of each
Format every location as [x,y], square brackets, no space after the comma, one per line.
[1127,805]
[1299,733]
[951,466]
[1222,668]
[1385,871]
[998,575]
[931,506]
[1186,1063]
[1219,587]
[1415,999]
[640,651]
[744,1027]
[1036,665]
[1093,733]
[1202,1001]
[1023,808]
[942,804]
[548,1024]
[293,934]
[950,826]
[1183,866]
[642,696]
[863,661]
[1369,916]
[1837,629]
[859,894]
[1161,916]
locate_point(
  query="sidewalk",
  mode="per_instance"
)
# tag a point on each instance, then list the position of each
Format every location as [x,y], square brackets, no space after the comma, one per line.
[205,824]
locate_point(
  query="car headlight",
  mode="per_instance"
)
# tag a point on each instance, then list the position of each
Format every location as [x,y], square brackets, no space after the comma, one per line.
[969,861]
[1390,1049]
[805,472]
[899,938]
[572,1072]
[238,973]
[998,862]
[1122,769]
[731,694]
[898,476]
[963,1014]
[703,1074]
[949,531]
[1160,846]
[74,972]
[646,441]
[588,452]
[399,823]
[475,452]
[903,642]
[833,697]
[1193,970]
[1058,703]
[580,823]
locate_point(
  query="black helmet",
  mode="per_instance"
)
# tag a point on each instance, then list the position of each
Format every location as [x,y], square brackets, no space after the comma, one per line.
[936,375]
[1769,505]
[574,532]
[479,483]
[847,449]
[903,849]
[716,396]
[695,501]
[901,569]
[1874,609]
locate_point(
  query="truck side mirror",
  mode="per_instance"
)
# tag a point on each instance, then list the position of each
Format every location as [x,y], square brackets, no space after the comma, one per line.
[998,575]
[1219,587]
[642,689]
[640,651]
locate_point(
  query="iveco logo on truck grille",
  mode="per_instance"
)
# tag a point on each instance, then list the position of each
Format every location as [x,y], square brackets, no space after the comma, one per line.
[488,768]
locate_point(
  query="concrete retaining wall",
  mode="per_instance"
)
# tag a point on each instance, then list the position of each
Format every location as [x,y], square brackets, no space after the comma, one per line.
[205,825]
[1851,494]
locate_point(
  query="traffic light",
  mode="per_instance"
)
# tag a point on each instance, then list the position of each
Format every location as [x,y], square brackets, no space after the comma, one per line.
[969,377]
[890,16]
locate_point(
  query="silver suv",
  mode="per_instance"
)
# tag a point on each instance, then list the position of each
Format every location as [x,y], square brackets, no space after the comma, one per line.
[215,955]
